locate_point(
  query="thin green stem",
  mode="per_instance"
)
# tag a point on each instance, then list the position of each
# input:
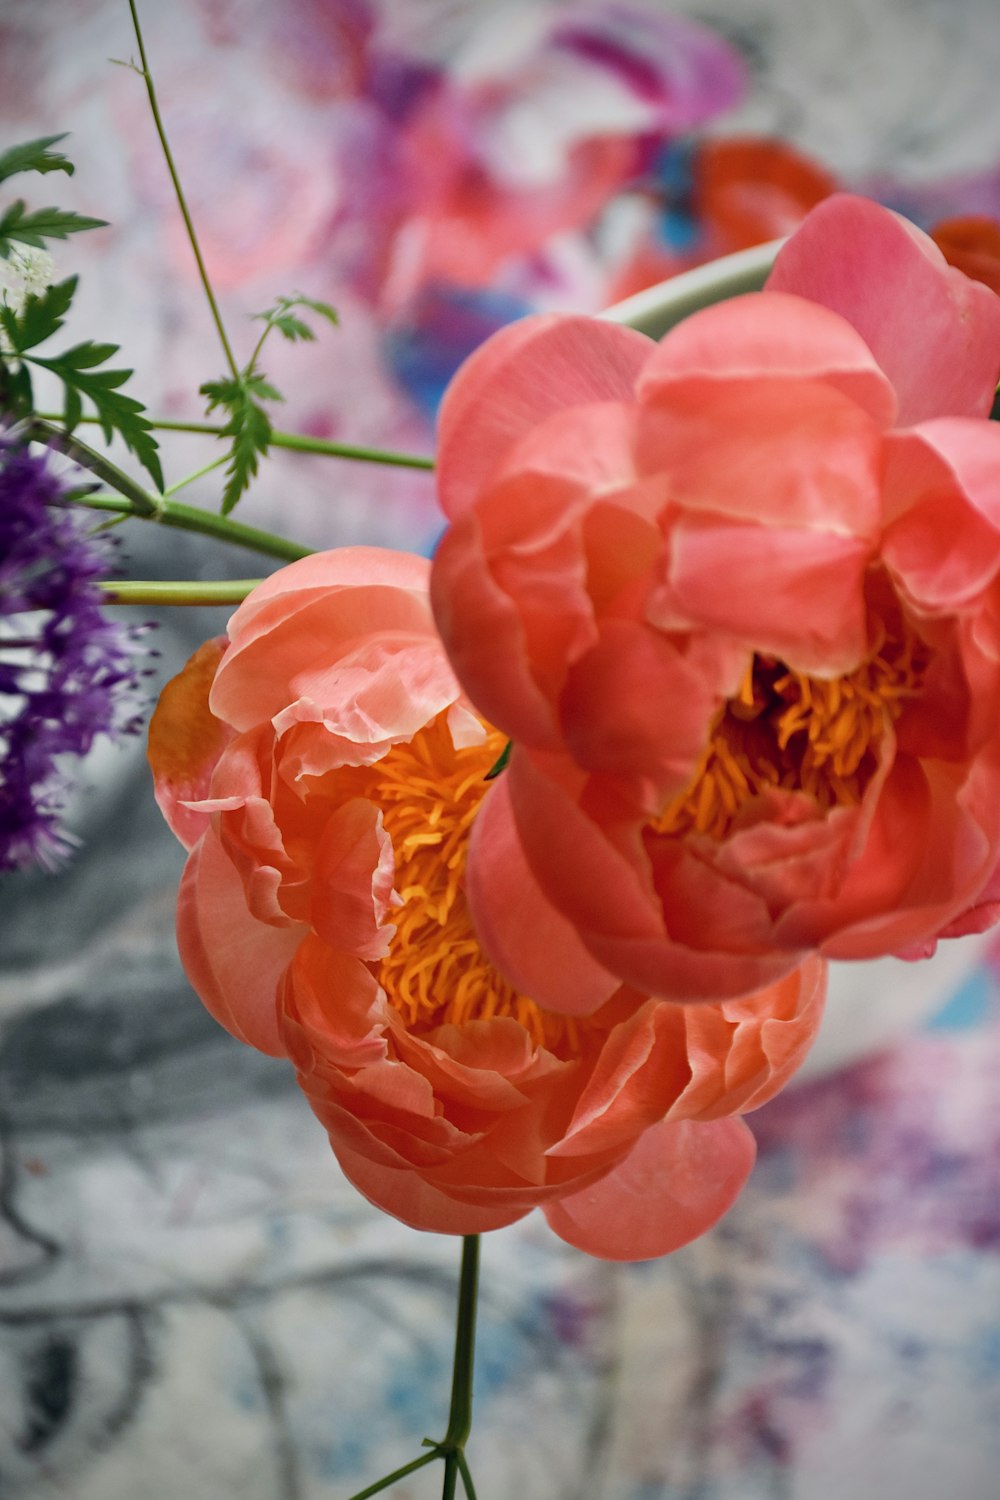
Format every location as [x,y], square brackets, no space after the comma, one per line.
[460,1416]
[179,191]
[141,502]
[294,441]
[190,518]
[182,484]
[181,591]
[452,1446]
[463,1469]
[410,1468]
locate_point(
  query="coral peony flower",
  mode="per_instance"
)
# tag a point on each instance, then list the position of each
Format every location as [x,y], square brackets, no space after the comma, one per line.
[734,596]
[325,771]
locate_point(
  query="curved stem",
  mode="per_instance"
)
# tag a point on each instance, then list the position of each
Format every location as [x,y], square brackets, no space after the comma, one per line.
[179,191]
[384,1483]
[190,518]
[141,502]
[296,442]
[156,591]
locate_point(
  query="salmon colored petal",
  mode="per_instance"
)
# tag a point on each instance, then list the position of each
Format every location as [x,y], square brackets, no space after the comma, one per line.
[694,935]
[643,1069]
[409,1197]
[773,335]
[943,544]
[657,698]
[535,948]
[234,962]
[874,270]
[800,595]
[185,741]
[523,373]
[678,1180]
[722,448]
[352,881]
[299,584]
[486,636]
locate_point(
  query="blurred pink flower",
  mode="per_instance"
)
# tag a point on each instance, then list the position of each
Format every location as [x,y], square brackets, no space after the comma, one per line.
[735,598]
[325,771]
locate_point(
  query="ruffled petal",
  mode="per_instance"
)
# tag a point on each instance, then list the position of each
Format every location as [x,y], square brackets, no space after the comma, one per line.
[876,270]
[677,1181]
[234,962]
[409,1197]
[943,502]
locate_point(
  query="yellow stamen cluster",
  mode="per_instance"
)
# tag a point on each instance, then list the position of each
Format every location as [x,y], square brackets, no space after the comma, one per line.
[435,971]
[785,729]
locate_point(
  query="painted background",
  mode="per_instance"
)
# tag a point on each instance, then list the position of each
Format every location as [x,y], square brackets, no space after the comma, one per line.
[192,1302]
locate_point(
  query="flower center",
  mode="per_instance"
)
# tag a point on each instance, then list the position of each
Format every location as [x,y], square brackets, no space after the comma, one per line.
[435,972]
[807,734]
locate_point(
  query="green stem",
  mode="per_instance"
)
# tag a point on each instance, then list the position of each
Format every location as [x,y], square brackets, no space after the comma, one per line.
[294,441]
[460,1416]
[182,591]
[410,1468]
[182,484]
[179,191]
[140,501]
[190,518]
[452,1446]
[463,1469]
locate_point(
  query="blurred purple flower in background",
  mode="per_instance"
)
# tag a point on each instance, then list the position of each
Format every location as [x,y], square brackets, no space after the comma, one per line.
[67,672]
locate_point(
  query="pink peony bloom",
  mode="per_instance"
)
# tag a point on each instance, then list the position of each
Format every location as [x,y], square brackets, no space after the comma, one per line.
[325,772]
[735,598]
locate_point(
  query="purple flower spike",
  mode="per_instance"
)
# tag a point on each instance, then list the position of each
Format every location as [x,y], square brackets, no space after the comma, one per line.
[67,672]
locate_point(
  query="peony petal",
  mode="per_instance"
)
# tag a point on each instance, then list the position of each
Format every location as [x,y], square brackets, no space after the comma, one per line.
[546,958]
[773,336]
[185,741]
[409,1197]
[526,371]
[234,962]
[782,452]
[800,595]
[943,501]
[352,882]
[875,270]
[677,1181]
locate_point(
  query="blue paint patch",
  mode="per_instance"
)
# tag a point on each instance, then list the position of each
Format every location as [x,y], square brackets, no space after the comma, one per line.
[970,1007]
[441,329]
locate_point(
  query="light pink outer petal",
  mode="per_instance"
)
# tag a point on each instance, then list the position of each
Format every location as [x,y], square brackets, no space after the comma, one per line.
[234,962]
[526,371]
[289,588]
[533,946]
[676,1182]
[289,634]
[774,335]
[935,333]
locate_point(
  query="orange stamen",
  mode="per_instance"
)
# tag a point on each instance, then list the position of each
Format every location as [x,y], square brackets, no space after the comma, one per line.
[811,734]
[435,972]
